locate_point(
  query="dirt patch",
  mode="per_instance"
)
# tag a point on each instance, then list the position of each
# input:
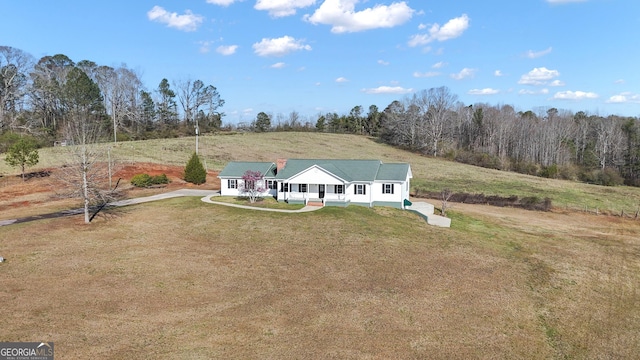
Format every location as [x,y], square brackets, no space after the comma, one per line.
[44,191]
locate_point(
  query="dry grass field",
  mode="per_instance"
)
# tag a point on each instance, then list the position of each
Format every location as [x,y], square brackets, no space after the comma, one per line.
[182,279]
[429,173]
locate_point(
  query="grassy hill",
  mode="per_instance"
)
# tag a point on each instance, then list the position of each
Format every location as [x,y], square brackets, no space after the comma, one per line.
[430,174]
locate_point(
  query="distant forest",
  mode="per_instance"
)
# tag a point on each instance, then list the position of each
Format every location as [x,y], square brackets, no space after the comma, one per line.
[39,97]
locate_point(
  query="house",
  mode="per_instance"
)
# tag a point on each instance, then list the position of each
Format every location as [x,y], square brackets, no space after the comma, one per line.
[329,182]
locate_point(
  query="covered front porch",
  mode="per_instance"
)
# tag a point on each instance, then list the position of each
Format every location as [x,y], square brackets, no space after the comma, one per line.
[327,194]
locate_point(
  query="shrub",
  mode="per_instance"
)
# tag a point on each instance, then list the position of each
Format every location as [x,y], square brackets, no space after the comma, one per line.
[144,180]
[160,179]
[609,177]
[550,171]
[524,167]
[606,177]
[478,159]
[568,172]
[194,172]
[141,180]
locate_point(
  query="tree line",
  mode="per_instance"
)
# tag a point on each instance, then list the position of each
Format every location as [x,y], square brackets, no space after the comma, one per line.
[38,97]
[41,97]
[547,142]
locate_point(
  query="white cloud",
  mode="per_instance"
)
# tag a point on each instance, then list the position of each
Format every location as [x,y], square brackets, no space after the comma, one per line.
[439,65]
[221,2]
[619,81]
[625,97]
[451,30]
[485,91]
[556,83]
[388,90]
[205,46]
[464,73]
[279,47]
[342,17]
[278,65]
[426,74]
[187,22]
[227,49]
[382,62]
[498,73]
[533,92]
[341,80]
[538,76]
[536,54]
[281,8]
[574,95]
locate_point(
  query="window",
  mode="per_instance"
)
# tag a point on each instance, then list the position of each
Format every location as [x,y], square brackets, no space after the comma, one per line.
[272,184]
[387,188]
[284,187]
[232,184]
[250,184]
[338,189]
[303,188]
[361,189]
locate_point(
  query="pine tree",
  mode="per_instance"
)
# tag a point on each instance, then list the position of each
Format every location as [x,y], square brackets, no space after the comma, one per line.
[22,154]
[194,172]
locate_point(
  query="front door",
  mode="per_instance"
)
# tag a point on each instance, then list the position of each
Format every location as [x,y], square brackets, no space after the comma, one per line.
[321,191]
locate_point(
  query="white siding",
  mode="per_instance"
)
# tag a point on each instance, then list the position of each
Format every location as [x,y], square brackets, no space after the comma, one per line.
[352,196]
[226,191]
[378,194]
[313,175]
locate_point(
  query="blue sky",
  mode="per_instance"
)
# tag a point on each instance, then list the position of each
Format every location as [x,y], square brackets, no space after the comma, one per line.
[318,56]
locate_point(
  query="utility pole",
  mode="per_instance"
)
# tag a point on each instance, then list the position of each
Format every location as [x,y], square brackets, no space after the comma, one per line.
[197,131]
[109,160]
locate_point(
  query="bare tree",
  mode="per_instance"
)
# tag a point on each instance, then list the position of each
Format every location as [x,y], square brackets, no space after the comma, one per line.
[87,170]
[14,67]
[194,95]
[439,102]
[445,196]
[608,138]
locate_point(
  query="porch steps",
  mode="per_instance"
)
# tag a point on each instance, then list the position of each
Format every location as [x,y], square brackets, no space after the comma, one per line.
[315,202]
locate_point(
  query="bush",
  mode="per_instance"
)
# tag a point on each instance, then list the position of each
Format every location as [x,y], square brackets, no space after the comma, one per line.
[568,172]
[550,171]
[141,180]
[159,179]
[194,172]
[478,159]
[524,167]
[606,177]
[144,180]
[529,203]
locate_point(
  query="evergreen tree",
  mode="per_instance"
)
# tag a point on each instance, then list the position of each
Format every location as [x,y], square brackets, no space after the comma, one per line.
[262,123]
[194,172]
[22,154]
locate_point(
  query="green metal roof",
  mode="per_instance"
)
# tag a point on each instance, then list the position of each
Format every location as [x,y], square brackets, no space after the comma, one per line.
[348,170]
[393,172]
[236,169]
